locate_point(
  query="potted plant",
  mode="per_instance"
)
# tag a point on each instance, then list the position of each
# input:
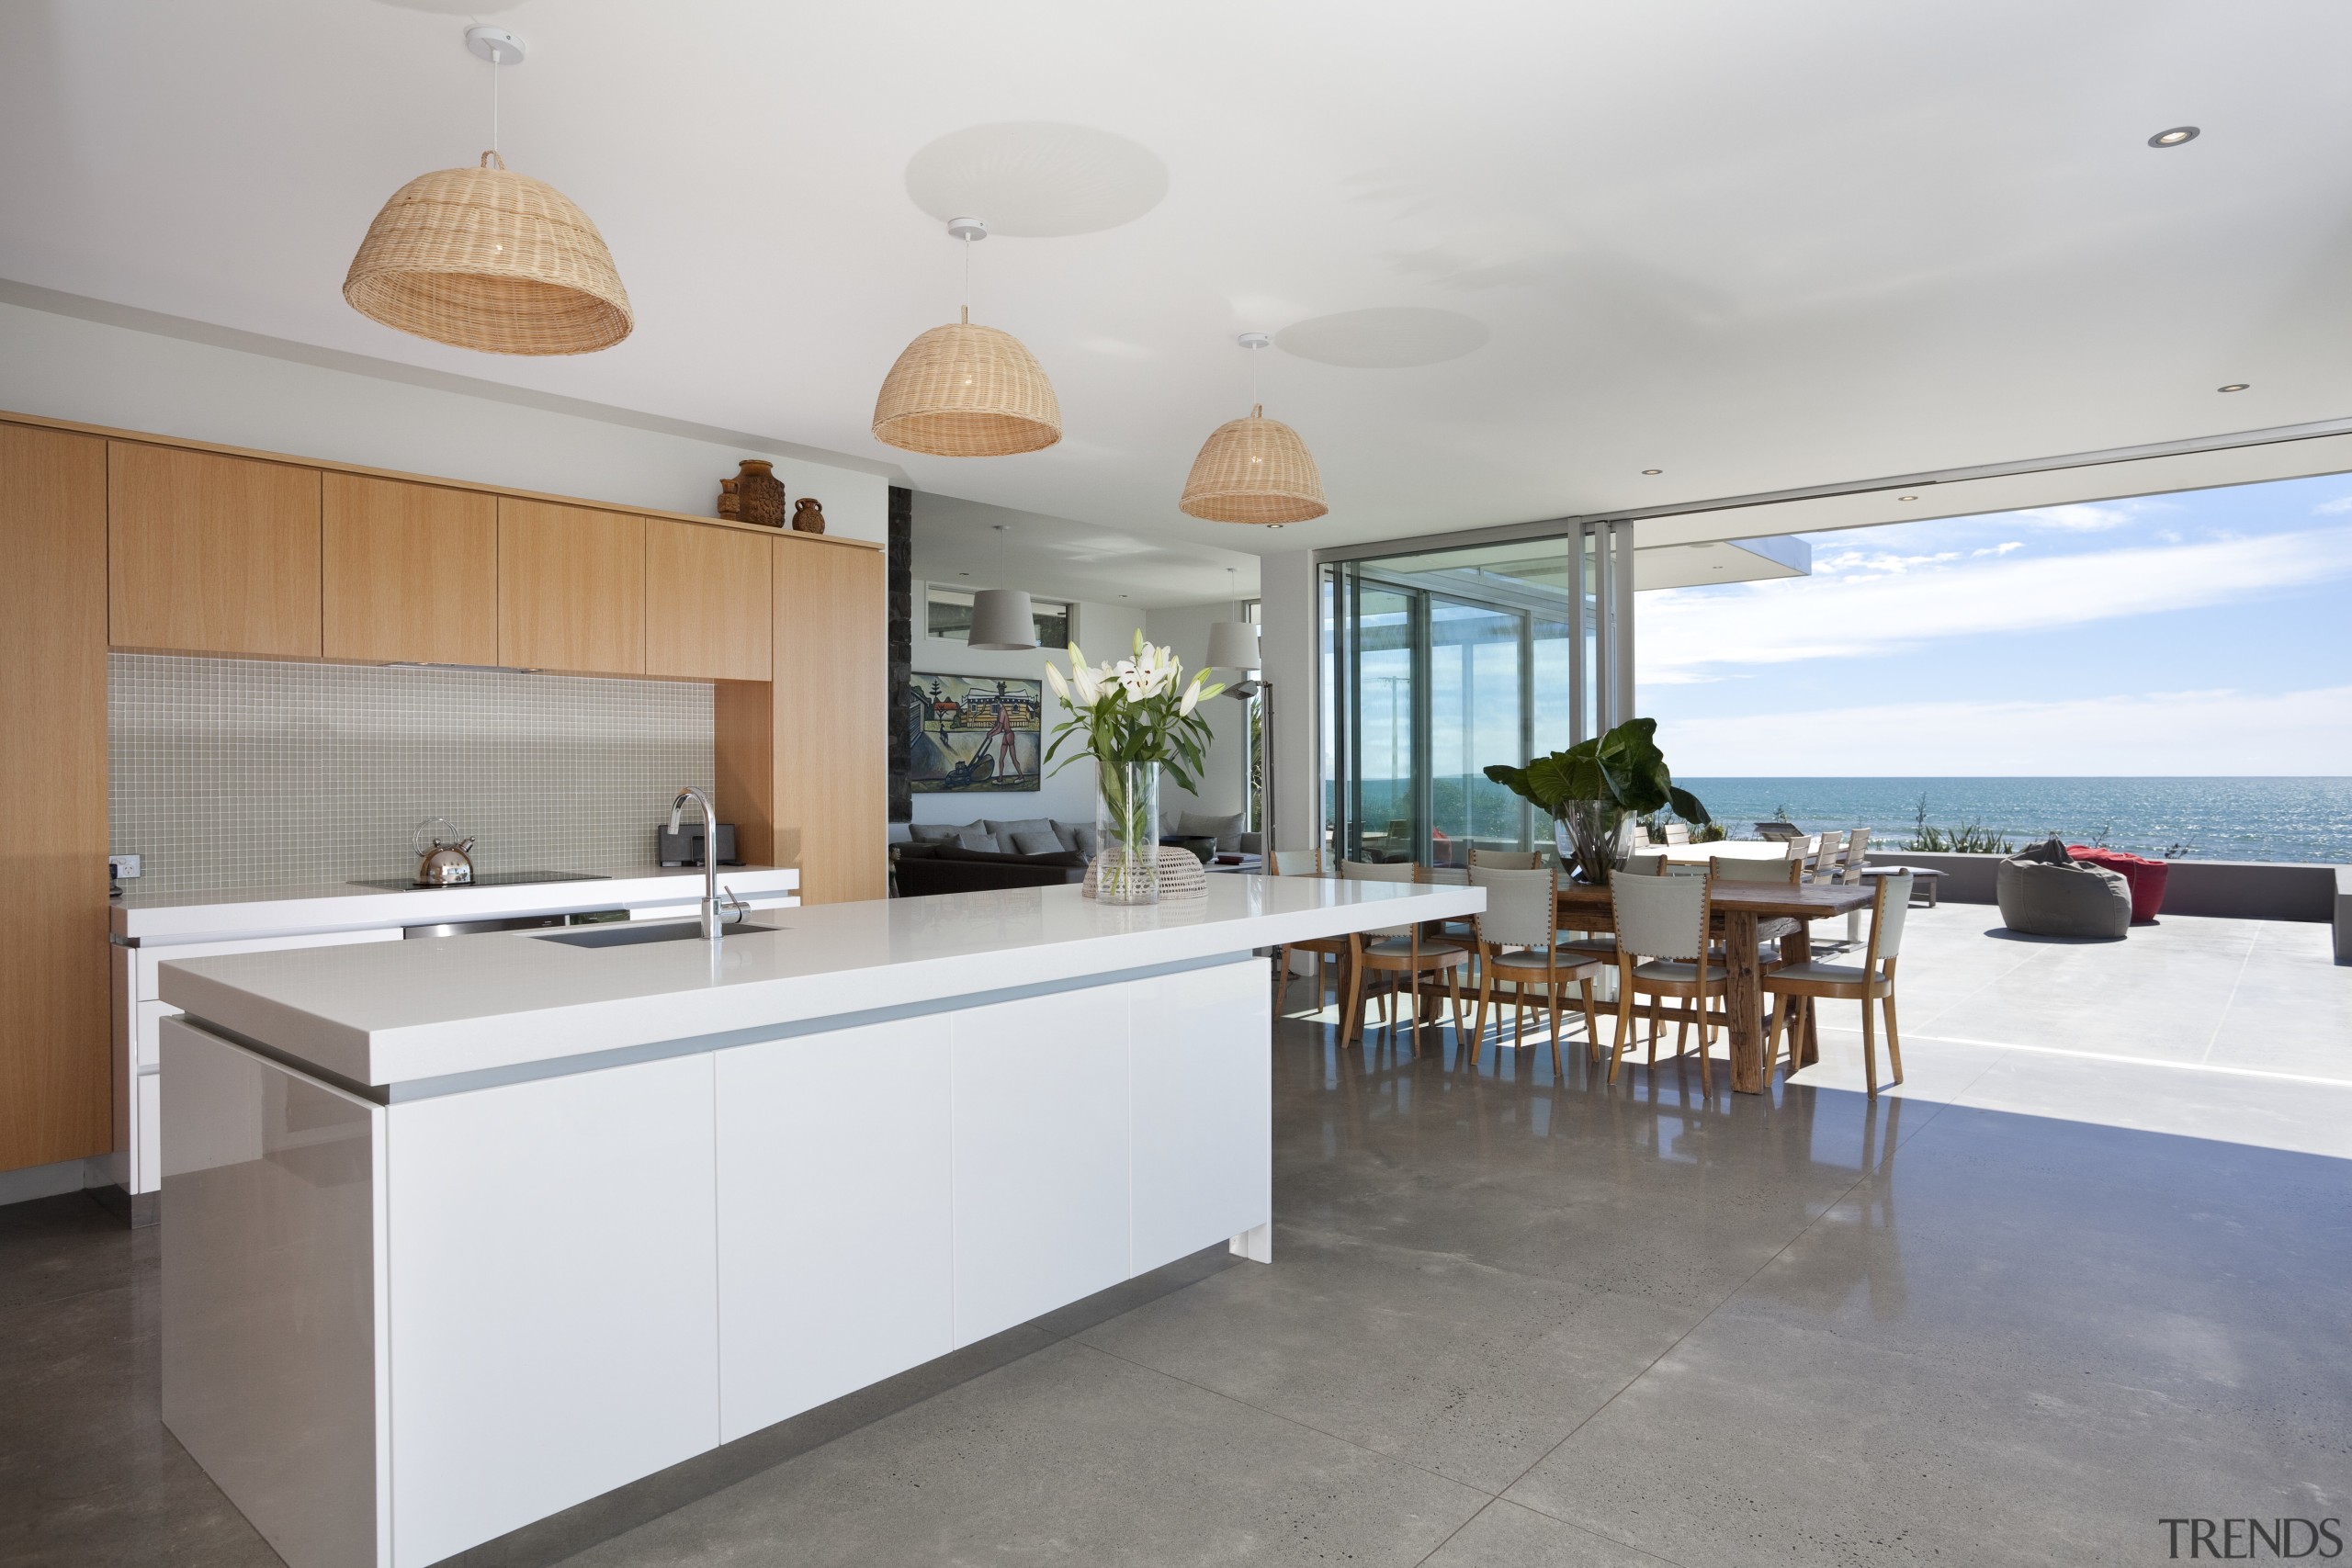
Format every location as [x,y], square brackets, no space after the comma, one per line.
[1132,719]
[1594,788]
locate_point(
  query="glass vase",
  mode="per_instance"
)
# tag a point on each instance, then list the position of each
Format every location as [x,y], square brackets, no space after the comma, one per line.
[1592,839]
[1126,832]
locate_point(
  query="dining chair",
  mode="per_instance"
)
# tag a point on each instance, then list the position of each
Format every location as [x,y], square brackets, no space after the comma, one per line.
[1304,863]
[1678,833]
[1517,939]
[1662,952]
[1508,860]
[1827,851]
[1849,871]
[1781,869]
[1399,952]
[1873,980]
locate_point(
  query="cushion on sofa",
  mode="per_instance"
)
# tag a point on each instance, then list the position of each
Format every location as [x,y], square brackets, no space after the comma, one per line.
[2039,898]
[1078,836]
[980,839]
[938,832]
[1040,844]
[1005,830]
[992,857]
[1225,830]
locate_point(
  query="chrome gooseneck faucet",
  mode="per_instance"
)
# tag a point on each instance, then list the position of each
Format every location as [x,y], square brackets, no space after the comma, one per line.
[714,908]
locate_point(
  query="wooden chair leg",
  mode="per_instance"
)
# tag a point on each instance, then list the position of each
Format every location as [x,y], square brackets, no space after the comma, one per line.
[1894,1044]
[1772,1005]
[1559,1068]
[1413,995]
[1869,1048]
[1518,1014]
[1453,996]
[1706,1057]
[1351,978]
[1281,973]
[1591,1025]
[1486,989]
[1624,1022]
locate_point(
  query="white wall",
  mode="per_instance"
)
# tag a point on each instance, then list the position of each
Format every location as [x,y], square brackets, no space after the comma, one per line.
[1105,631]
[97,373]
[1186,629]
[1287,639]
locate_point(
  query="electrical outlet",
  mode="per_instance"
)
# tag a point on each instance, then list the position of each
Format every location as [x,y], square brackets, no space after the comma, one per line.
[122,868]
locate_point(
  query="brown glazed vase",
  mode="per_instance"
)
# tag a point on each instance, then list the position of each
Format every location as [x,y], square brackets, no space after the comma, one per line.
[760,492]
[808,515]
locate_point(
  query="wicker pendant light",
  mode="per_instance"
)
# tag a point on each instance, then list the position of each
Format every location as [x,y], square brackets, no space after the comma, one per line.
[1254,470]
[965,391]
[488,259]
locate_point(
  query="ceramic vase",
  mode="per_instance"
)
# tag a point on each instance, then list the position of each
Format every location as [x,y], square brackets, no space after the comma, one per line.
[760,494]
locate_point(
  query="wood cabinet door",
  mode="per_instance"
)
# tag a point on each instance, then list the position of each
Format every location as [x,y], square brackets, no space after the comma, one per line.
[211,554]
[407,571]
[571,588]
[828,739]
[709,602]
[56,1022]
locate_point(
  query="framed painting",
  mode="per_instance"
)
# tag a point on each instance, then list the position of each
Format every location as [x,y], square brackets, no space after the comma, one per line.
[974,734]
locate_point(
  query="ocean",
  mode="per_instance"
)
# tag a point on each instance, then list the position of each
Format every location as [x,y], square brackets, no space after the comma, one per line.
[2304,819]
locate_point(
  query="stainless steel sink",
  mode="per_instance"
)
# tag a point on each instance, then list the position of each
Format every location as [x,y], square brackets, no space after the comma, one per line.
[636,933]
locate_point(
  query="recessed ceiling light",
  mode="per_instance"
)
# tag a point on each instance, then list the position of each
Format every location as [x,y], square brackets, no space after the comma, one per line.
[1653,470]
[2179,135]
[2234,387]
[963,574]
[1906,498]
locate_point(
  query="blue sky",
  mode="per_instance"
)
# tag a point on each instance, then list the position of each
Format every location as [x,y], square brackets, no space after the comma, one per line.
[2206,632]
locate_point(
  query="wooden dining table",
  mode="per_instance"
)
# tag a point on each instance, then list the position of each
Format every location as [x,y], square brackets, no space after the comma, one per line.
[1741,907]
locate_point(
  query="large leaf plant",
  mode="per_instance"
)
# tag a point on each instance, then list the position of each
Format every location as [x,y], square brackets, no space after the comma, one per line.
[1624,769]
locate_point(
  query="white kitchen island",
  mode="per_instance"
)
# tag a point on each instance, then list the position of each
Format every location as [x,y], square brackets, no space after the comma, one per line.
[459,1234]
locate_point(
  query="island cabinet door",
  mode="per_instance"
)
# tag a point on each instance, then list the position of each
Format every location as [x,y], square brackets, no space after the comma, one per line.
[1204,1109]
[552,1267]
[1041,1152]
[835,1266]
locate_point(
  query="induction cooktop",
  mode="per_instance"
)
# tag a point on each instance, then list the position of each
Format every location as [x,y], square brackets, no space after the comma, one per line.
[487,879]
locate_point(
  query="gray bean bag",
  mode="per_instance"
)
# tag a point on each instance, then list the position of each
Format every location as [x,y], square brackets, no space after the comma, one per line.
[2046,894]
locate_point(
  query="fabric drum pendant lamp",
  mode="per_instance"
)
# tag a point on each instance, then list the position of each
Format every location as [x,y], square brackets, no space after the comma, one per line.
[1002,620]
[1233,645]
[962,390]
[1254,470]
[488,259]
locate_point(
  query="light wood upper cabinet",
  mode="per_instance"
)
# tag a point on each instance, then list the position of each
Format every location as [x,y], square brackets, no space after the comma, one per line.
[708,601]
[211,554]
[407,572]
[571,588]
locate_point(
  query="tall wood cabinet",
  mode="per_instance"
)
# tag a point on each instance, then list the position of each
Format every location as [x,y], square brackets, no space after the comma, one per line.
[56,1075]
[830,759]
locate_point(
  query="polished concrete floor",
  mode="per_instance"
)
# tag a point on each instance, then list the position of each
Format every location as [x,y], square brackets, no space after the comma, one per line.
[2090,1268]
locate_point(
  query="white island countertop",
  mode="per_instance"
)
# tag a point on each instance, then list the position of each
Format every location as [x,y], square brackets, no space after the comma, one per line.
[392,1013]
[212,915]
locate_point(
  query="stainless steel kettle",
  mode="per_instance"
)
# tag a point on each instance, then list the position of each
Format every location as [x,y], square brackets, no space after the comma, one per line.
[446,864]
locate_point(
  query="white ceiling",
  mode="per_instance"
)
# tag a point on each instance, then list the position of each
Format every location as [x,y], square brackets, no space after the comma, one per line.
[1756,246]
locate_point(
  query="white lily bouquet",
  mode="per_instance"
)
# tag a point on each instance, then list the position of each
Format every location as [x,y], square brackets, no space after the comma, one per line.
[1132,720]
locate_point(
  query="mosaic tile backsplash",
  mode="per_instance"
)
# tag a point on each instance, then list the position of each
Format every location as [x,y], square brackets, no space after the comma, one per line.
[234,774]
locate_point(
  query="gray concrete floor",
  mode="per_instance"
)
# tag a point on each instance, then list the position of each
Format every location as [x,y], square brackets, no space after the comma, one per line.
[2090,1268]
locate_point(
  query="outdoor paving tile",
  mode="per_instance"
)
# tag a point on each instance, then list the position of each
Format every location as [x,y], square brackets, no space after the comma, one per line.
[1067,1456]
[2310,1118]
[1505,1535]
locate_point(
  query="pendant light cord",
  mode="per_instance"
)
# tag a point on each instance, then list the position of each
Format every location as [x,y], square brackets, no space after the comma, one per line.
[968,280]
[494,105]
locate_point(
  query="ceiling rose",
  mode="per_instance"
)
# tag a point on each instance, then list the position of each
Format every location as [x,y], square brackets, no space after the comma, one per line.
[488,259]
[1038,179]
[1389,337]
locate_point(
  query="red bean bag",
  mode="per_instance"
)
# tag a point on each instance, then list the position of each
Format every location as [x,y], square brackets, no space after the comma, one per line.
[2146,878]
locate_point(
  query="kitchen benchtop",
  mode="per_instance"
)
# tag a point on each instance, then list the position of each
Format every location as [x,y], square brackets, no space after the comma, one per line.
[395,1013]
[161,917]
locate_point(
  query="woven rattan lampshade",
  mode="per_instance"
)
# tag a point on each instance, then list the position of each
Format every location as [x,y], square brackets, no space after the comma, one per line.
[1254,470]
[490,260]
[965,391]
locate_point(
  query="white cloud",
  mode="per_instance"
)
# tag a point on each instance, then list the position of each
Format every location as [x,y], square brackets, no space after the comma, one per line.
[2080,519]
[2148,733]
[1841,614]
[2340,505]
